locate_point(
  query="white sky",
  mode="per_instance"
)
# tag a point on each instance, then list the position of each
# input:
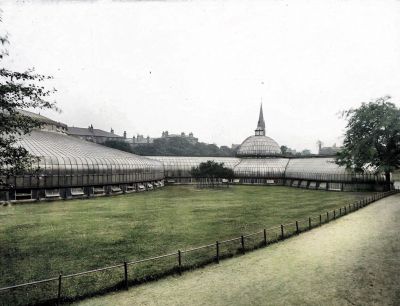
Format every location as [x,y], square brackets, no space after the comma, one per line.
[203,66]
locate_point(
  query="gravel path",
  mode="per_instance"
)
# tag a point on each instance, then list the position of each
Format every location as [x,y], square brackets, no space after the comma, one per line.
[351,261]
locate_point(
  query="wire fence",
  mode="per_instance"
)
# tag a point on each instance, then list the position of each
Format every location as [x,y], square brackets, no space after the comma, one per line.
[66,288]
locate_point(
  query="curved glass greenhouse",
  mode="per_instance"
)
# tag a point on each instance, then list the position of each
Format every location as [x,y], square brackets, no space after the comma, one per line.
[261,168]
[259,146]
[69,167]
[177,168]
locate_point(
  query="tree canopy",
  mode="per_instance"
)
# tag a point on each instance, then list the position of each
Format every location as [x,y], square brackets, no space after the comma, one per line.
[211,170]
[372,138]
[173,146]
[18,90]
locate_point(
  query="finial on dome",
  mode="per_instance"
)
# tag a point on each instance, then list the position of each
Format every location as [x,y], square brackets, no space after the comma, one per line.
[260,130]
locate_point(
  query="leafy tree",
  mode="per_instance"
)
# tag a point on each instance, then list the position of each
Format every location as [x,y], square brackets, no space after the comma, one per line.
[177,146]
[372,138]
[18,90]
[284,150]
[306,152]
[211,170]
[119,145]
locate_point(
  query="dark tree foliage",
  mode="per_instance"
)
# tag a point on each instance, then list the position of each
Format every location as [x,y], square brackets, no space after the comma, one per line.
[119,145]
[284,150]
[176,146]
[372,138]
[211,170]
[18,90]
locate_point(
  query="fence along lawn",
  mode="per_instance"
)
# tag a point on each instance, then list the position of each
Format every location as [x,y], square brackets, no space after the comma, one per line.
[326,266]
[38,241]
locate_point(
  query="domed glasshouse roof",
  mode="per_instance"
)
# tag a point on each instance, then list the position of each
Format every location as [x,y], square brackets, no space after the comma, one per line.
[259,145]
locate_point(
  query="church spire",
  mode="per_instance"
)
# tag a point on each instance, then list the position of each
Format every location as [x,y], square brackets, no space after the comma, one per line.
[260,130]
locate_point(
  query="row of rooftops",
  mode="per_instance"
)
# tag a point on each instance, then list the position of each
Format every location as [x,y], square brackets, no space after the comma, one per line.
[90,131]
[96,135]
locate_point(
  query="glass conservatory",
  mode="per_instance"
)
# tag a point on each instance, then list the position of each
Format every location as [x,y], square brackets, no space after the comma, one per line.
[324,169]
[321,169]
[261,170]
[259,146]
[69,167]
[177,169]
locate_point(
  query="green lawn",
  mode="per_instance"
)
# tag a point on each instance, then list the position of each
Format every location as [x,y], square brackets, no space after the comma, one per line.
[326,266]
[39,240]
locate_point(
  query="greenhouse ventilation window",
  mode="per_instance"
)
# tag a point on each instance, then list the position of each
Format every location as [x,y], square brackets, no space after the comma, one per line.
[23,195]
[52,193]
[115,189]
[77,191]
[98,190]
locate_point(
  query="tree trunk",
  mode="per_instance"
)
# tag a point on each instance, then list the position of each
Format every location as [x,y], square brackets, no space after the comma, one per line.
[387,181]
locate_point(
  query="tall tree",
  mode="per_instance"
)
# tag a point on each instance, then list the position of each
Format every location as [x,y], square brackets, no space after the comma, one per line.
[372,138]
[284,150]
[18,90]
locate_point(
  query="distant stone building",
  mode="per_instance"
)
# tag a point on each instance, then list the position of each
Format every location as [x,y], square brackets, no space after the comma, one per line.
[188,137]
[140,139]
[101,136]
[328,150]
[94,135]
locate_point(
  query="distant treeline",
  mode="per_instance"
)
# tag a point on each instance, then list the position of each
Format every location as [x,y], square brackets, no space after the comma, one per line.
[173,146]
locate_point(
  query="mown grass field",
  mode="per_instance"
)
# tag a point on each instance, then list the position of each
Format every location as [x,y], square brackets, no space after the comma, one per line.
[325,266]
[40,240]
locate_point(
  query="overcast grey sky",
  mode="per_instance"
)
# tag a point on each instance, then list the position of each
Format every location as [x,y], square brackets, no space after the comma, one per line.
[203,66]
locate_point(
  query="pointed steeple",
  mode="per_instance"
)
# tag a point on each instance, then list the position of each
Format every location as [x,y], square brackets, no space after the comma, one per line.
[260,130]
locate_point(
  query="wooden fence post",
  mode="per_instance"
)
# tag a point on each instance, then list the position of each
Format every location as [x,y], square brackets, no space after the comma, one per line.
[242,241]
[217,250]
[327,216]
[345,210]
[59,290]
[265,237]
[180,261]
[309,222]
[297,227]
[126,275]
[320,219]
[340,211]
[282,232]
